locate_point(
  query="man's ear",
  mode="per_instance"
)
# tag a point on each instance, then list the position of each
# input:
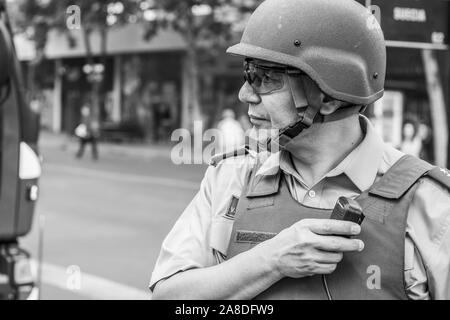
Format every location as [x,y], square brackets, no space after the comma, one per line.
[312,92]
[329,105]
[317,98]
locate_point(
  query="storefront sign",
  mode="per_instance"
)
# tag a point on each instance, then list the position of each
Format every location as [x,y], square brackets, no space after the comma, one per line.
[413,23]
[410,14]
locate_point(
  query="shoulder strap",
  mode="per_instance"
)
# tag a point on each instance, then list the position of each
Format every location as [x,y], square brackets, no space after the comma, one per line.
[440,175]
[241,151]
[401,177]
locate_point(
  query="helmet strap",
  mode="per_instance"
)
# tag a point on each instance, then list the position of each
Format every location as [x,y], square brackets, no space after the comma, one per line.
[311,107]
[308,104]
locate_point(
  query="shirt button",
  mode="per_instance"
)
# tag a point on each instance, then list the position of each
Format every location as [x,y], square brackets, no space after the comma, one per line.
[312,193]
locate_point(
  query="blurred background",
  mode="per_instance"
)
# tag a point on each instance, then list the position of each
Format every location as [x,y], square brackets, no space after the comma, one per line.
[126,74]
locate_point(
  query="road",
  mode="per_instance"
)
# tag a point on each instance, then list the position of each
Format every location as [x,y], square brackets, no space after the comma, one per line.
[104,221]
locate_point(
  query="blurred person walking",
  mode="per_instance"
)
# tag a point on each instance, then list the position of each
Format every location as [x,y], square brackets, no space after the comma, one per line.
[231,132]
[163,121]
[412,141]
[88,131]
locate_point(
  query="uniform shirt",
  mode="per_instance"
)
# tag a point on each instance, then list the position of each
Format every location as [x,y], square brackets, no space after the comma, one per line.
[201,235]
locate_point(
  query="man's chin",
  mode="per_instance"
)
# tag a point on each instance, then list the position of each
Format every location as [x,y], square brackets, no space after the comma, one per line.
[262,126]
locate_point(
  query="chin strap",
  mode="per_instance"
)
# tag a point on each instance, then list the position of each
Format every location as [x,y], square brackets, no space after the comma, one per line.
[308,109]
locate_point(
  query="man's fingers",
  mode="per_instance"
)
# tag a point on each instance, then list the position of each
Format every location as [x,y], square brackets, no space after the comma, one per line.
[328,257]
[338,244]
[332,227]
[325,268]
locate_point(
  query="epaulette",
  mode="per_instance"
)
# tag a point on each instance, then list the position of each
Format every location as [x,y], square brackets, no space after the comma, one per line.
[241,151]
[440,175]
[400,177]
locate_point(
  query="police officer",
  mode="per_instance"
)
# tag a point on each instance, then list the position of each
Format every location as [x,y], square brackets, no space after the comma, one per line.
[259,227]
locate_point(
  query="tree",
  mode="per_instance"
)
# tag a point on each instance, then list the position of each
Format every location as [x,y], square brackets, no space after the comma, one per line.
[207,27]
[437,107]
[38,17]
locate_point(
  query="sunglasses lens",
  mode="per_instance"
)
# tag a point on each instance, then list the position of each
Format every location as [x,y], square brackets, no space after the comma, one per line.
[263,80]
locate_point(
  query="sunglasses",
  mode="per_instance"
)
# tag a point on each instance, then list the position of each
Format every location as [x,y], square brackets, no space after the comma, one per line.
[266,79]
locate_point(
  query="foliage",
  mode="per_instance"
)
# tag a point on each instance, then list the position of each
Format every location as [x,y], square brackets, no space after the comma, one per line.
[206,25]
[38,17]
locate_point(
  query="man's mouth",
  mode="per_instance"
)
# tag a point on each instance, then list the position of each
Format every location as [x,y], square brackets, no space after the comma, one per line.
[256,118]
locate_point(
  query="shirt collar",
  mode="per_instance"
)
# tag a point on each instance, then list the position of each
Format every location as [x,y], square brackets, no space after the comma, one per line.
[363,162]
[360,165]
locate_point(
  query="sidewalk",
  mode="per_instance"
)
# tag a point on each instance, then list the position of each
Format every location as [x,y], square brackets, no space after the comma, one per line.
[70,144]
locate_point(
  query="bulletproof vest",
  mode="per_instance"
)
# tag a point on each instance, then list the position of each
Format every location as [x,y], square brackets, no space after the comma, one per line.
[266,207]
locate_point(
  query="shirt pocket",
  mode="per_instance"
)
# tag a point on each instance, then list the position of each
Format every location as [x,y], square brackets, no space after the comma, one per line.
[260,202]
[219,238]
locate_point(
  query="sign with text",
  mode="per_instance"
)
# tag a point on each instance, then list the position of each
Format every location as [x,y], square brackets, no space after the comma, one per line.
[413,23]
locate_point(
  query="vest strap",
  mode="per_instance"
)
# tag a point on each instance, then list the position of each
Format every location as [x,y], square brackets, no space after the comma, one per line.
[262,186]
[400,177]
[440,175]
[241,151]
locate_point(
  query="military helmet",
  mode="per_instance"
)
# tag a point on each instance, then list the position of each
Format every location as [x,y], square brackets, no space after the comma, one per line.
[337,43]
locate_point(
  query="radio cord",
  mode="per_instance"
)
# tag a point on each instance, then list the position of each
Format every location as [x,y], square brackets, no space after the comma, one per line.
[325,286]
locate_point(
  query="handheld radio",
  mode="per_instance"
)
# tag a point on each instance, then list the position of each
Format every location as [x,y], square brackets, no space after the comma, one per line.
[349,210]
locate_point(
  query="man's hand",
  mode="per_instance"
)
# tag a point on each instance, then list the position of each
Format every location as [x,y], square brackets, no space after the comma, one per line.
[311,246]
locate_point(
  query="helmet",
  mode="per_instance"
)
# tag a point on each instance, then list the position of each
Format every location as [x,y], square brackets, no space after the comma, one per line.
[337,43]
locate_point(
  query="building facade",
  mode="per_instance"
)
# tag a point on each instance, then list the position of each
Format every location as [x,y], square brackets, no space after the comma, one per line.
[145,82]
[417,78]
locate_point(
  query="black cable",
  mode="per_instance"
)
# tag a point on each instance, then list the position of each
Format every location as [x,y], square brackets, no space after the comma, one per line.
[325,286]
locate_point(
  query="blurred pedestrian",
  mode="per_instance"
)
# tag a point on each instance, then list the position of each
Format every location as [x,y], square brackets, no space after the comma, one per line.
[88,131]
[231,132]
[412,141]
[163,121]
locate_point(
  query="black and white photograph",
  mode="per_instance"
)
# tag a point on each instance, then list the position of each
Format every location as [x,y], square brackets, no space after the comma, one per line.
[222,153]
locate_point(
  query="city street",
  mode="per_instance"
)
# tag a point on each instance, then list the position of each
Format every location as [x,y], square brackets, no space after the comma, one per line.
[350,98]
[105,221]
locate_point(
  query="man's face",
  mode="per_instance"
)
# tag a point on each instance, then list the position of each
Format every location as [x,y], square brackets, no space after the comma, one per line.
[271,110]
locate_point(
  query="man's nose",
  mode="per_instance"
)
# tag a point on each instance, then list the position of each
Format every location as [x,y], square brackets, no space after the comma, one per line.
[248,95]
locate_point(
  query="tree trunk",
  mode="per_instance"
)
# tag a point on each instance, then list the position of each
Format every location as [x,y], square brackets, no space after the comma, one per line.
[95,92]
[87,45]
[192,108]
[103,61]
[31,74]
[194,76]
[437,107]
